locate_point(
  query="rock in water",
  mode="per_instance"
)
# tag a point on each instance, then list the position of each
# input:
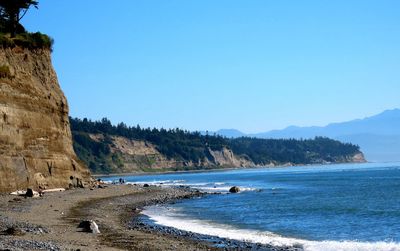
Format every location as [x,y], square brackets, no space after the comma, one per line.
[89,226]
[35,136]
[234,189]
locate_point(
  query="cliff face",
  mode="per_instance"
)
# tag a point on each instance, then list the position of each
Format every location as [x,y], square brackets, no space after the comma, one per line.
[35,138]
[137,156]
[227,158]
[105,153]
[357,158]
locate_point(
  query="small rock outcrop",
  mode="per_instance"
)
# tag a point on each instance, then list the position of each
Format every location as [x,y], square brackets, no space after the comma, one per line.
[234,189]
[35,138]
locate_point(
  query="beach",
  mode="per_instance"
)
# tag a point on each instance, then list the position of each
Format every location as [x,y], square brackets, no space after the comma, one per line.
[50,222]
[296,208]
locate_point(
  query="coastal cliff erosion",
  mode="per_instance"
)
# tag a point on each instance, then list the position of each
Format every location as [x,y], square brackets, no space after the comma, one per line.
[111,153]
[35,137]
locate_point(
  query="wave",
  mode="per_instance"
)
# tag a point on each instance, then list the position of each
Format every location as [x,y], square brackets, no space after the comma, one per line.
[170,217]
[207,187]
[221,189]
[159,182]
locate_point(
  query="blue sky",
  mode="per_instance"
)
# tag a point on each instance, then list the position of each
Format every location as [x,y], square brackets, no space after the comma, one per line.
[204,65]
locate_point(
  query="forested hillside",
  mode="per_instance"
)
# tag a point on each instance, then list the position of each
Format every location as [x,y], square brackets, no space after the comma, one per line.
[108,148]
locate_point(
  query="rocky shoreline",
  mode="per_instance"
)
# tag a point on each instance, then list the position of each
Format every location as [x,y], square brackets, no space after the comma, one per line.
[50,222]
[146,225]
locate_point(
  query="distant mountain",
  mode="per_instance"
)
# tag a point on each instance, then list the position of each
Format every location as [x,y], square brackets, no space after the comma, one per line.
[376,147]
[230,133]
[378,136]
[385,123]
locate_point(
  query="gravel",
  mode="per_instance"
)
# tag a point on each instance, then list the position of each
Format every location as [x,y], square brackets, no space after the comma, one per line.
[23,227]
[22,245]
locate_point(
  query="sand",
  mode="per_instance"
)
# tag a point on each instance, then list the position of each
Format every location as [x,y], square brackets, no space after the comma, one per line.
[50,222]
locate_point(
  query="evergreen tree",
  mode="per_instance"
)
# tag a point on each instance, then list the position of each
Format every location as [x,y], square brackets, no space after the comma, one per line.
[12,11]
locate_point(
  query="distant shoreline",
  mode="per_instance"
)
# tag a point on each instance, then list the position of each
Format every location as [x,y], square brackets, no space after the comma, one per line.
[219,169]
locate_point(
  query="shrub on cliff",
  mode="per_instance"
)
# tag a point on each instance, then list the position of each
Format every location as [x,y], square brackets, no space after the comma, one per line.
[27,40]
[4,71]
[12,33]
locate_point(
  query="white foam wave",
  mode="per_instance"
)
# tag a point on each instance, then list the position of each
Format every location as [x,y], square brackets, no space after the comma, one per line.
[222,189]
[170,217]
[249,189]
[212,188]
[219,183]
[159,182]
[202,186]
[207,187]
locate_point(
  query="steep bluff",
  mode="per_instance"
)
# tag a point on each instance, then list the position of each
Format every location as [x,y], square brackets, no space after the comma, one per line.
[105,153]
[106,148]
[129,155]
[35,138]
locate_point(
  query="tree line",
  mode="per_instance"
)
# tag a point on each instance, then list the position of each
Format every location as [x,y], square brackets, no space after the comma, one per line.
[185,145]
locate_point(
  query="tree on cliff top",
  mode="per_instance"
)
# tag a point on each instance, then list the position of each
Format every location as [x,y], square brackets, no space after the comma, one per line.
[12,11]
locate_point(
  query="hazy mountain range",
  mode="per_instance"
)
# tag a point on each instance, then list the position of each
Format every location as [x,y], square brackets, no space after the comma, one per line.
[378,136]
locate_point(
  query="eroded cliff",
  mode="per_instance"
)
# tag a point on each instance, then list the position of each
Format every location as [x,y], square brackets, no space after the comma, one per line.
[35,138]
[129,155]
[117,154]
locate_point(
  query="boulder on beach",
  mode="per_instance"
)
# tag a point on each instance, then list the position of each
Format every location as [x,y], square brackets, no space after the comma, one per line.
[89,226]
[146,185]
[31,193]
[234,189]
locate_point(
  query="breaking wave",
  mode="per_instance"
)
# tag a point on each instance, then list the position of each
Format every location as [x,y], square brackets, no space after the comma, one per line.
[171,217]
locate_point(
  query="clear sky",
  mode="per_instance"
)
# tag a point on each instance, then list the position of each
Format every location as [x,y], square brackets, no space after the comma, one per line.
[253,65]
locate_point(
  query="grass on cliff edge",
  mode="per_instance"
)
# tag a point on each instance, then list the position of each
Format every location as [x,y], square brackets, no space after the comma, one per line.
[27,40]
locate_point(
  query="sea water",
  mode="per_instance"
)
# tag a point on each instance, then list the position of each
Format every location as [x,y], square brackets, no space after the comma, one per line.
[330,207]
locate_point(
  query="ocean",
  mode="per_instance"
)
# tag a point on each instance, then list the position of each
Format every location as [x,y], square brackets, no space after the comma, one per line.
[322,207]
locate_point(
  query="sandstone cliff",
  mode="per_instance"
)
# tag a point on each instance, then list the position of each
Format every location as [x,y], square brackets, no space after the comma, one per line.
[129,155]
[174,151]
[138,156]
[35,138]
[357,158]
